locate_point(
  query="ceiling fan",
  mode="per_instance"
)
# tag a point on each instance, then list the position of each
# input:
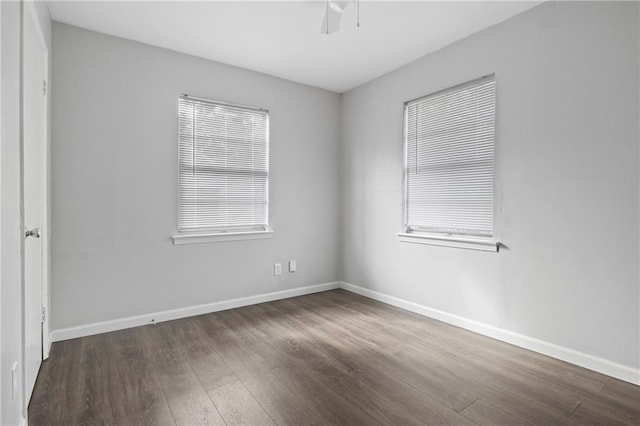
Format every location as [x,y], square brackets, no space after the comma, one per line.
[333,15]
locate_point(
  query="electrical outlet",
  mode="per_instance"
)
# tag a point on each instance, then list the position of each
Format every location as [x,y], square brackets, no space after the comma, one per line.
[14,381]
[292,266]
[277,269]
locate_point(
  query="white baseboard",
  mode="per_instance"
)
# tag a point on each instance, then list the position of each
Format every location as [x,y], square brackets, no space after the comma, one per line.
[601,365]
[590,362]
[135,321]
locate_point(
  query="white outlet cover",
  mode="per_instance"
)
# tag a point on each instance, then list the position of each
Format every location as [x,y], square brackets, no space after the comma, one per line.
[14,381]
[292,266]
[277,269]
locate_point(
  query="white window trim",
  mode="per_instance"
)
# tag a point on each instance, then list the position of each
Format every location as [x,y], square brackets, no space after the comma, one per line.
[209,236]
[457,241]
[472,242]
[216,237]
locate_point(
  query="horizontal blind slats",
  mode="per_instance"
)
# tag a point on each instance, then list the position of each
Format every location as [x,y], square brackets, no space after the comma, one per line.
[223,166]
[449,169]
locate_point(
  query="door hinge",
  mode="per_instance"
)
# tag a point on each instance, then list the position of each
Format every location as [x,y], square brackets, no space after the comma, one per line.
[44,87]
[44,314]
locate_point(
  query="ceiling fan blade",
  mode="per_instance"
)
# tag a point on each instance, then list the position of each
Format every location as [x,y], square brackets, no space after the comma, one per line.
[333,16]
[334,22]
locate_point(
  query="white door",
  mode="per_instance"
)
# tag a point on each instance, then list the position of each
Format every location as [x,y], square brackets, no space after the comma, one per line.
[34,168]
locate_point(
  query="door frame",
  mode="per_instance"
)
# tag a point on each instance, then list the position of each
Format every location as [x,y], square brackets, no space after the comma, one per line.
[46,205]
[29,12]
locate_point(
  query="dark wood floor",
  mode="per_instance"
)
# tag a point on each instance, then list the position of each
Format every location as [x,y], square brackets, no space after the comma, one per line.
[327,358]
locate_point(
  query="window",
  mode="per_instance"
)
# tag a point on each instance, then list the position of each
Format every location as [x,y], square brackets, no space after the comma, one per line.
[223,168]
[449,163]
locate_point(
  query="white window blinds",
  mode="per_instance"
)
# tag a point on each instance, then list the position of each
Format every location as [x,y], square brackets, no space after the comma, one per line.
[449,160]
[223,167]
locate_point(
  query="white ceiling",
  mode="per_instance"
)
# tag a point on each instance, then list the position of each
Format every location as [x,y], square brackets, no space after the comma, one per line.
[283,38]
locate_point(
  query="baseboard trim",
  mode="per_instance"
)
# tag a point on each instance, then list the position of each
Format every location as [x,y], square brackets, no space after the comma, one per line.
[600,365]
[581,359]
[156,317]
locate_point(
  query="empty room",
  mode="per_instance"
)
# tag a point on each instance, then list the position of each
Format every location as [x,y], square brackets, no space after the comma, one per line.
[319,212]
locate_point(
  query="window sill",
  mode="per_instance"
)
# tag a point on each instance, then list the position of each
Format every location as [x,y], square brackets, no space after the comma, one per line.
[472,243]
[181,239]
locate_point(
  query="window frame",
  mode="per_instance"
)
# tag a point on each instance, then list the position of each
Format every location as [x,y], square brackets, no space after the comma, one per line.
[465,241]
[231,233]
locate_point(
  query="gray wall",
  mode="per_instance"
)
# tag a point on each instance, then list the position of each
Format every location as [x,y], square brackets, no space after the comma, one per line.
[567,181]
[10,214]
[115,182]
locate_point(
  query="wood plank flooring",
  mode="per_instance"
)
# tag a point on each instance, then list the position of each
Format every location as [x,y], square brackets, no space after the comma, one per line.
[326,358]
